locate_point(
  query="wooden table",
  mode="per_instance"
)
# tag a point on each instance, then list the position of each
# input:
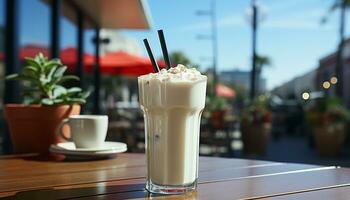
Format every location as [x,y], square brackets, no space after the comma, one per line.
[30,177]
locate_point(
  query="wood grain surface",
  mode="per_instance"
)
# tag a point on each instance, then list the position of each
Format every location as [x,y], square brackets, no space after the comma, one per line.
[34,177]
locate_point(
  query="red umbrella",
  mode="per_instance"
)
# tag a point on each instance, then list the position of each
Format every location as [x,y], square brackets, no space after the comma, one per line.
[112,63]
[224,91]
[126,64]
[30,50]
[69,57]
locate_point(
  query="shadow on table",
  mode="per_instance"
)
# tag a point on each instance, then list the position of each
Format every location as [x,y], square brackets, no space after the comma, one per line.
[60,158]
[128,191]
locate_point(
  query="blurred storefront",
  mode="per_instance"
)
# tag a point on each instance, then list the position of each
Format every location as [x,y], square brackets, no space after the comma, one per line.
[295,87]
[326,71]
[240,79]
[321,80]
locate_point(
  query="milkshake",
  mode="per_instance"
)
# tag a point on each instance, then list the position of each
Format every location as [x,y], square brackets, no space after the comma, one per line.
[172,102]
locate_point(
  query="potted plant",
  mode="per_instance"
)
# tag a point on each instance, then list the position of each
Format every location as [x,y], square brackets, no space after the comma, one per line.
[256,126]
[46,103]
[216,106]
[328,119]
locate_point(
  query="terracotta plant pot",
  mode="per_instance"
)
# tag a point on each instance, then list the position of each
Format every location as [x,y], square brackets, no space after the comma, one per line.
[255,137]
[329,141]
[217,119]
[33,127]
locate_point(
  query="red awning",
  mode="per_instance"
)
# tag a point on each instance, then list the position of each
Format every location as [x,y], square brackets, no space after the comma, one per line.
[224,91]
[30,50]
[115,63]
[69,57]
[126,64]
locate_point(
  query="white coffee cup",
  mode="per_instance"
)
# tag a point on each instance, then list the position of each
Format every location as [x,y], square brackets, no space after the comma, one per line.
[87,131]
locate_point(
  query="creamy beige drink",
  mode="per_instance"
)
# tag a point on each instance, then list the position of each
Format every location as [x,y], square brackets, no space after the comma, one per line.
[172,101]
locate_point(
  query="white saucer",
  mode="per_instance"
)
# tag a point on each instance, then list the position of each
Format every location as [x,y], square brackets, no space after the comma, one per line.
[109,149]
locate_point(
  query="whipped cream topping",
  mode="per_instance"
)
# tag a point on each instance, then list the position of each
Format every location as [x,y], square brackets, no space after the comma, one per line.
[178,73]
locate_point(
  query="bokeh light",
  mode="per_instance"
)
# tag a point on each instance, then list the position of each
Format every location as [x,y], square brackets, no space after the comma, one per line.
[326,85]
[305,95]
[334,80]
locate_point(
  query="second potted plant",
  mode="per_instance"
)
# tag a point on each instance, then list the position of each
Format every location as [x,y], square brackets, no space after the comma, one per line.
[217,111]
[46,103]
[256,127]
[328,119]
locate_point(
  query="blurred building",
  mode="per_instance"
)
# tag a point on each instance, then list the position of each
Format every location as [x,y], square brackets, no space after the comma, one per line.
[326,71]
[313,80]
[241,79]
[116,41]
[294,88]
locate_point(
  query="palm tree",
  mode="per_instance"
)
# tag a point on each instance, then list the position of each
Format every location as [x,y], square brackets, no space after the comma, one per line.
[261,62]
[179,57]
[341,5]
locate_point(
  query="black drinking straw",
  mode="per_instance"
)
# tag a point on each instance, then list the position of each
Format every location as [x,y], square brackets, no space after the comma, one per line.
[164,48]
[150,54]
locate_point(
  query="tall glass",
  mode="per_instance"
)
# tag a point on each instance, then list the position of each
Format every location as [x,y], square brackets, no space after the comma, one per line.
[172,112]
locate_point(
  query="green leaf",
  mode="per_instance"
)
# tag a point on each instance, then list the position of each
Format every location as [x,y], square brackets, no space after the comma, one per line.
[39,58]
[59,72]
[58,101]
[59,91]
[47,101]
[74,90]
[43,79]
[31,68]
[76,100]
[67,78]
[12,77]
[52,71]
[52,63]
[84,95]
[34,63]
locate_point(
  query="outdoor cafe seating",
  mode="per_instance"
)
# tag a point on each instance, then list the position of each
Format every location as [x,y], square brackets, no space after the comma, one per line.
[115,99]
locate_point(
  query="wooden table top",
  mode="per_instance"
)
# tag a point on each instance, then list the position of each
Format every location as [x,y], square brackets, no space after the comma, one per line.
[30,177]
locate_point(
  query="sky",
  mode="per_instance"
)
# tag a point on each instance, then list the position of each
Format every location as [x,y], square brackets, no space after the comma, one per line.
[290,32]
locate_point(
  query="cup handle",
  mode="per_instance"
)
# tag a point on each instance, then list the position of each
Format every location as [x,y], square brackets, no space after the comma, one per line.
[59,130]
